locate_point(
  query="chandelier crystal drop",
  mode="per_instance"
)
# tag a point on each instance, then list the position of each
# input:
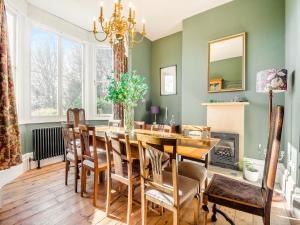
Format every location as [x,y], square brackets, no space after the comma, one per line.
[119,28]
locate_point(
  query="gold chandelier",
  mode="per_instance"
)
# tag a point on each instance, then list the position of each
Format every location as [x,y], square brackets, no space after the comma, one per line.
[119,28]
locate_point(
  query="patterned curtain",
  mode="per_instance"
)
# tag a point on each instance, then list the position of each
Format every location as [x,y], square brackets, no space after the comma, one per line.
[10,153]
[120,66]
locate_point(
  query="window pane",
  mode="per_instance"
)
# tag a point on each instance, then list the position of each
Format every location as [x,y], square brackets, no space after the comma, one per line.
[103,63]
[71,74]
[103,69]
[44,73]
[103,107]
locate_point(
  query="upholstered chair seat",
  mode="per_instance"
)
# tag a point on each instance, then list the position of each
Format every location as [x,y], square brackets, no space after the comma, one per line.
[101,159]
[187,189]
[191,170]
[247,194]
[70,154]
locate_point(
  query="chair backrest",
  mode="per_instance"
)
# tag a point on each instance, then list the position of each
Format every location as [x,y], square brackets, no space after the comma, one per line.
[152,148]
[139,124]
[86,141]
[161,127]
[195,130]
[272,154]
[114,123]
[76,116]
[117,157]
[69,139]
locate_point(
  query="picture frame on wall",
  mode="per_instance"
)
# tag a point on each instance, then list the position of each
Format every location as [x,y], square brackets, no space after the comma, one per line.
[168,80]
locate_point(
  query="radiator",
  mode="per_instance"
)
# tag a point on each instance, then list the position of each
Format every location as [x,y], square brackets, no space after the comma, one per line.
[47,143]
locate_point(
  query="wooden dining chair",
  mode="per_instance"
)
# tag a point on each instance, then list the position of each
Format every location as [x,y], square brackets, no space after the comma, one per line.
[161,127]
[114,123]
[189,168]
[125,171]
[76,116]
[139,124]
[167,189]
[243,196]
[72,152]
[93,159]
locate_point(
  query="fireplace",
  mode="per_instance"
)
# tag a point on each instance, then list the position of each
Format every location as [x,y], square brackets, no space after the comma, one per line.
[226,153]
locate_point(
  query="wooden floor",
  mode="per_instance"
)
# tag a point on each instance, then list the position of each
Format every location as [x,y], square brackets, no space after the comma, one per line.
[40,197]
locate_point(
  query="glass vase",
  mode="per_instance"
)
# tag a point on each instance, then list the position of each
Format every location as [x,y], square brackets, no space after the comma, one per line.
[129,118]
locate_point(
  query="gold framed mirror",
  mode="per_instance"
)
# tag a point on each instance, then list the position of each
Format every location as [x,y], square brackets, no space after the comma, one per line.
[227,63]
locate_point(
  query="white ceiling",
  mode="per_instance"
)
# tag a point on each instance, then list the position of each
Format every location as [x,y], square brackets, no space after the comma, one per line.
[163,17]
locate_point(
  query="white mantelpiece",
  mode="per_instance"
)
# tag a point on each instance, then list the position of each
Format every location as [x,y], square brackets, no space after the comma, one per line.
[228,117]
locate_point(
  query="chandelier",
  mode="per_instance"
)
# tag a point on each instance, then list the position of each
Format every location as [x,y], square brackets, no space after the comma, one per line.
[118,28]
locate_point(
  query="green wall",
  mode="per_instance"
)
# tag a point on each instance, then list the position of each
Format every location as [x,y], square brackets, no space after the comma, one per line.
[292,97]
[141,63]
[167,52]
[263,20]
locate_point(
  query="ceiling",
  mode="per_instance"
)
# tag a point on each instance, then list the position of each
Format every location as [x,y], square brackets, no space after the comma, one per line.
[163,17]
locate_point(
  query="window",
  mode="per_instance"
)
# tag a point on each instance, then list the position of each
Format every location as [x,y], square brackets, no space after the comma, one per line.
[56,74]
[72,67]
[104,65]
[12,38]
[44,73]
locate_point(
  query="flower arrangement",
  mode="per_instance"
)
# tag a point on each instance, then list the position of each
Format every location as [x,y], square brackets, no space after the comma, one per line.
[128,91]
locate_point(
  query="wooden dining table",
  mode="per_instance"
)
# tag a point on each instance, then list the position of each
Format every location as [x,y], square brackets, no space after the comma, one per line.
[193,147]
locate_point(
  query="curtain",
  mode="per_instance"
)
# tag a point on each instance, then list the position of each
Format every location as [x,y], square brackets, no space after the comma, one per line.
[120,66]
[10,152]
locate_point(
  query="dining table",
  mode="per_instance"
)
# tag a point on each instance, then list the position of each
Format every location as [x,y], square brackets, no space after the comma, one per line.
[193,147]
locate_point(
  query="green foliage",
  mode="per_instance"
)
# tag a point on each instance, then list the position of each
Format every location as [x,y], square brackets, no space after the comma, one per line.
[247,164]
[131,89]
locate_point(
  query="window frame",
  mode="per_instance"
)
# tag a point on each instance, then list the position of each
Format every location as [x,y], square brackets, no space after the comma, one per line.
[96,82]
[59,117]
[14,42]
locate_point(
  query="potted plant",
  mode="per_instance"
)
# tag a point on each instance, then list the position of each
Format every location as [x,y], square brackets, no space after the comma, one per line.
[249,171]
[128,91]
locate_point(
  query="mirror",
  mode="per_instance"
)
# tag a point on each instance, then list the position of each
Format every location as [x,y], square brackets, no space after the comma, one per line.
[226,63]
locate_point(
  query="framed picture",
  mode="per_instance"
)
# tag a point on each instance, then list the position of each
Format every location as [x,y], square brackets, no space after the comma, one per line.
[168,80]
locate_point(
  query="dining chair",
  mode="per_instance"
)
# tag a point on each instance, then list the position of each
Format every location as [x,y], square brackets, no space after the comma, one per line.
[93,159]
[139,125]
[76,116]
[125,171]
[114,123]
[190,168]
[72,152]
[167,189]
[243,196]
[161,127]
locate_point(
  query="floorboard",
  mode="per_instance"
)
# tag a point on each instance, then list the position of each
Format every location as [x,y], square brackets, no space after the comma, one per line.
[39,197]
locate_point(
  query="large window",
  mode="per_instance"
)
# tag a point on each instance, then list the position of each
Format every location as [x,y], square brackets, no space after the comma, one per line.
[56,74]
[104,64]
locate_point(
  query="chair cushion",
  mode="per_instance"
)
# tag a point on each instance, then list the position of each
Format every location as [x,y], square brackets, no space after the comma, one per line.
[187,189]
[70,154]
[236,191]
[191,170]
[101,159]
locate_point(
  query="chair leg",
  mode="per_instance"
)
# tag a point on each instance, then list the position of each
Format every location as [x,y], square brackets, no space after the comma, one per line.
[96,174]
[129,207]
[67,171]
[176,217]
[76,176]
[266,218]
[144,210]
[205,209]
[108,194]
[214,215]
[83,180]
[196,210]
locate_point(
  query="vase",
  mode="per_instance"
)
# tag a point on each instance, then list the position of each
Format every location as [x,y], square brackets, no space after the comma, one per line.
[129,118]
